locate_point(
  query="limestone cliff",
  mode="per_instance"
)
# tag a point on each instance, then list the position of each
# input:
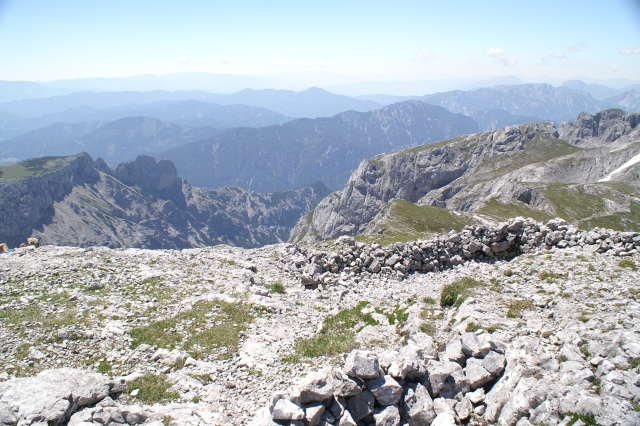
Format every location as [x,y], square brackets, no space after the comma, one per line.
[536,168]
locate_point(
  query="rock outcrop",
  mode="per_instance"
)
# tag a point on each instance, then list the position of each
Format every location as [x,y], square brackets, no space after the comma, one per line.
[517,164]
[80,202]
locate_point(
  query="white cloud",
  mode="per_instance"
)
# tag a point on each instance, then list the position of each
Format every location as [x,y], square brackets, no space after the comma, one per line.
[576,63]
[228,60]
[615,67]
[635,51]
[559,55]
[502,57]
[425,55]
[577,47]
[183,60]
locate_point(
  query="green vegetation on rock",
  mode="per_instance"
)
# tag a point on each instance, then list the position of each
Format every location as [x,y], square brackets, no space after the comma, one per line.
[401,221]
[207,326]
[457,291]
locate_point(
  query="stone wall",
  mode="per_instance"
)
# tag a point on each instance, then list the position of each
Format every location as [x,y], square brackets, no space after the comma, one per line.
[480,243]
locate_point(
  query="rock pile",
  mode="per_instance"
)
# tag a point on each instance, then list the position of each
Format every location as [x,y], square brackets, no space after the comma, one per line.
[482,243]
[411,384]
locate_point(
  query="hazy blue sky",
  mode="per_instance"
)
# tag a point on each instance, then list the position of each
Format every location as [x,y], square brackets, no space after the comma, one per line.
[46,40]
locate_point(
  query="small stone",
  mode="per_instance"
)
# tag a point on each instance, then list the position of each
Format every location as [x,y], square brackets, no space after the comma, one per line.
[464,409]
[135,392]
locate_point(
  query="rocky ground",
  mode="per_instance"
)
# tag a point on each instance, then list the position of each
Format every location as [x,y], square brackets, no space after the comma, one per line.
[214,335]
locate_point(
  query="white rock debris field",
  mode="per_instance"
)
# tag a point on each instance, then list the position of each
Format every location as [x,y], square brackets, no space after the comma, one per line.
[519,323]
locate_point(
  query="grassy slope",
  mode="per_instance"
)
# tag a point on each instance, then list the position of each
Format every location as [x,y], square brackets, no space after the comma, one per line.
[401,221]
[32,167]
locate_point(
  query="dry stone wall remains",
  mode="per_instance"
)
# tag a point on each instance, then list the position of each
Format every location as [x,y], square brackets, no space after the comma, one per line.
[481,243]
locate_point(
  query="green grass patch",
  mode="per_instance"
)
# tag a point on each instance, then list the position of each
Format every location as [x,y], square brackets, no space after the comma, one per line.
[277,287]
[584,317]
[456,292]
[516,307]
[429,301]
[628,263]
[428,327]
[500,210]
[33,167]
[200,334]
[152,388]
[337,334]
[549,277]
[493,328]
[401,221]
[588,419]
[472,327]
[104,367]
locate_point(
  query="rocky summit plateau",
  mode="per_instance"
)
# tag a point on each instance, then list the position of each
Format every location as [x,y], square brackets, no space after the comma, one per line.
[516,323]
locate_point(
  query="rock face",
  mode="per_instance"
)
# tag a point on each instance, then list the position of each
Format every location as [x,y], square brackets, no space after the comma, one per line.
[80,202]
[513,167]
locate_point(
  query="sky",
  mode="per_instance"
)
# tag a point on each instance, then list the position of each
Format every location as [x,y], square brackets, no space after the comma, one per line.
[44,40]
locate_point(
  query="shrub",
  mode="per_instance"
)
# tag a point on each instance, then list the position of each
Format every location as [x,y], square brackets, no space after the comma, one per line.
[456,292]
[508,273]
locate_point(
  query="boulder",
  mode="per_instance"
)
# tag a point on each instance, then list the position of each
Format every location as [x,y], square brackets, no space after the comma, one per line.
[313,413]
[494,363]
[287,410]
[344,385]
[386,390]
[476,373]
[472,346]
[417,406]
[346,419]
[315,387]
[361,405]
[363,365]
[387,416]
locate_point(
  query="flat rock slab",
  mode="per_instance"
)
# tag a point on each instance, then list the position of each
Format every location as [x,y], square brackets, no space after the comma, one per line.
[51,396]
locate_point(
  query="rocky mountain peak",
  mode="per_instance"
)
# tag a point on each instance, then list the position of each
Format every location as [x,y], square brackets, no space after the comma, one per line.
[159,178]
[603,127]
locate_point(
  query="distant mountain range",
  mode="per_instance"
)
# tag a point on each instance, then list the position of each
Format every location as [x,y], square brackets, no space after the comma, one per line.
[76,201]
[309,103]
[300,152]
[115,142]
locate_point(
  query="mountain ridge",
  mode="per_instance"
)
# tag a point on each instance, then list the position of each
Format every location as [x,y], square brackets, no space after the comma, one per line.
[80,202]
[516,167]
[293,154]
